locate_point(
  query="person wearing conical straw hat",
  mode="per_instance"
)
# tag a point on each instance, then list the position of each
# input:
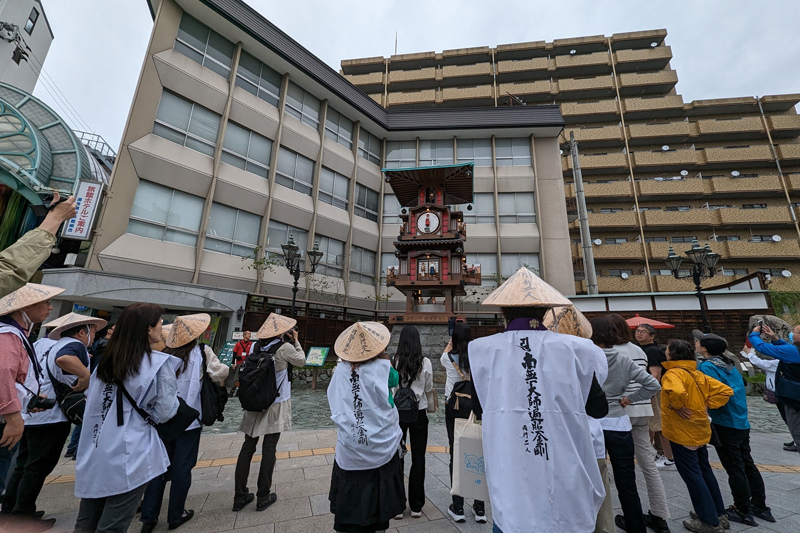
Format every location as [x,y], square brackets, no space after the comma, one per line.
[66,369]
[367,480]
[161,344]
[182,343]
[277,340]
[20,372]
[133,389]
[536,388]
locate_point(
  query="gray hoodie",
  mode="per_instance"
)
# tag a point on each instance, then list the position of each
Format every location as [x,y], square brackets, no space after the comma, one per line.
[621,371]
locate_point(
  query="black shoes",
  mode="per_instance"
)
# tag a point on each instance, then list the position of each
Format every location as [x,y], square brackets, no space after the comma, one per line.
[763,514]
[239,503]
[148,527]
[656,523]
[185,517]
[69,455]
[456,514]
[790,447]
[619,521]
[735,515]
[262,506]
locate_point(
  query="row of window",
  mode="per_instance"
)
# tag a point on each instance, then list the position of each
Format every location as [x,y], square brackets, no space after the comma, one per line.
[514,208]
[617,272]
[679,208]
[509,152]
[717,238]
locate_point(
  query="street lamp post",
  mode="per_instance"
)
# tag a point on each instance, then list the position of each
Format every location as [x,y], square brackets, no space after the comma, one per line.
[704,264]
[292,256]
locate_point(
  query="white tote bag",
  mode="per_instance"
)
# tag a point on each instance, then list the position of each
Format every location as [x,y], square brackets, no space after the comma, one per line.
[469,474]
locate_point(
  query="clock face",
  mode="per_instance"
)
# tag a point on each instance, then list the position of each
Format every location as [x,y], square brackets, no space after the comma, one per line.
[428,222]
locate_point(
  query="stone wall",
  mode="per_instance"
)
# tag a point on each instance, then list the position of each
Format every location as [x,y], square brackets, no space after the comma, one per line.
[433,338]
[303,376]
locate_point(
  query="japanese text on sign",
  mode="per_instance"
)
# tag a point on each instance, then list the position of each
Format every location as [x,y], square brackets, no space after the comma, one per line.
[87,198]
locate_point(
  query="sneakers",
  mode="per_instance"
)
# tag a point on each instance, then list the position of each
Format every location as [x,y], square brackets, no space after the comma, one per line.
[399,517]
[697,526]
[735,515]
[790,447]
[239,503]
[185,517]
[456,514]
[416,514]
[262,506]
[723,520]
[480,515]
[656,523]
[663,462]
[763,514]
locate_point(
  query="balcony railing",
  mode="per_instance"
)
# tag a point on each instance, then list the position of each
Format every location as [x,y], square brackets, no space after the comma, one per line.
[733,185]
[656,187]
[668,159]
[750,154]
[741,125]
[759,250]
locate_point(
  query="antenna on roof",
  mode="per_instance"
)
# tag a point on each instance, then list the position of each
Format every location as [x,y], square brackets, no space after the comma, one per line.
[395,43]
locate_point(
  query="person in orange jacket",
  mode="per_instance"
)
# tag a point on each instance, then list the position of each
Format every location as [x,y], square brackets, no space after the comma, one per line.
[686,396]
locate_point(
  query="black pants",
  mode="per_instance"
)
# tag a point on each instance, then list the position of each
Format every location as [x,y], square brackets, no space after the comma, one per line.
[450,423]
[418,438]
[696,472]
[182,453]
[620,448]
[39,453]
[112,514]
[747,486]
[268,449]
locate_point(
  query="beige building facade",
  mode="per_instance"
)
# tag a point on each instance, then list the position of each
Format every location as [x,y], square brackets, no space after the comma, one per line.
[239,138]
[658,171]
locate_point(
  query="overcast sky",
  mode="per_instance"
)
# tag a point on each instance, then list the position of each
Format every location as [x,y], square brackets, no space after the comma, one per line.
[722,48]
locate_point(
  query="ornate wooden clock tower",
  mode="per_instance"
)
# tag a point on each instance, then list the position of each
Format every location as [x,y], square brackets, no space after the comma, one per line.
[430,248]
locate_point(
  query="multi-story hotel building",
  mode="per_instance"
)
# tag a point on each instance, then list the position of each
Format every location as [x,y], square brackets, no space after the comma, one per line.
[658,171]
[238,137]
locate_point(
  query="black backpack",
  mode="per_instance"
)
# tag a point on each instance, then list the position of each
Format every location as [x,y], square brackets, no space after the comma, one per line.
[258,389]
[405,400]
[72,403]
[461,399]
[213,397]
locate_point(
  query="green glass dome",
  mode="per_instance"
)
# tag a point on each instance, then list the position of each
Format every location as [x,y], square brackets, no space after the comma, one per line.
[38,150]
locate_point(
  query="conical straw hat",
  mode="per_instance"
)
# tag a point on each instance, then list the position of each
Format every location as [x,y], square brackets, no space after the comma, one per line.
[30,294]
[162,344]
[526,289]
[568,320]
[73,320]
[362,341]
[187,328]
[275,325]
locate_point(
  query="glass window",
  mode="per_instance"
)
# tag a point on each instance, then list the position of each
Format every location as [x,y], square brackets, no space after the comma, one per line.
[31,23]
[610,210]
[388,260]
[513,262]
[477,150]
[760,238]
[401,154]
[723,238]
[332,262]
[339,128]
[516,207]
[295,171]
[683,239]
[362,265]
[734,271]
[437,152]
[165,214]
[482,211]
[366,203]
[302,105]
[369,147]
[232,231]
[246,149]
[619,271]
[488,263]
[655,239]
[773,271]
[257,78]
[278,233]
[203,45]
[391,209]
[682,208]
[754,206]
[513,152]
[186,123]
[334,189]
[616,240]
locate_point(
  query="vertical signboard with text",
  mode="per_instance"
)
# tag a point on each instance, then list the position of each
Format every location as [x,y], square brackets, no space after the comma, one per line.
[87,196]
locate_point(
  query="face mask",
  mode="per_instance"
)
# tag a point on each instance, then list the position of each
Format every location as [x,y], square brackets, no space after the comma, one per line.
[28,322]
[791,336]
[88,336]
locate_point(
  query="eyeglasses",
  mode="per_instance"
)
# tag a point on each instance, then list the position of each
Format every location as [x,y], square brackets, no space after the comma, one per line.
[642,331]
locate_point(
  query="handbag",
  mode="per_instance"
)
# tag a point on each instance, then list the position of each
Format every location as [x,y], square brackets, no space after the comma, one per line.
[433,401]
[213,397]
[167,431]
[72,402]
[469,472]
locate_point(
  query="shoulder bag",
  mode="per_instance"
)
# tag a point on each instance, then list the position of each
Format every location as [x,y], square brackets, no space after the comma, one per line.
[72,402]
[167,431]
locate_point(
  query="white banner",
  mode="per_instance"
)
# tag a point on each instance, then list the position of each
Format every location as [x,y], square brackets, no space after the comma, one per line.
[87,196]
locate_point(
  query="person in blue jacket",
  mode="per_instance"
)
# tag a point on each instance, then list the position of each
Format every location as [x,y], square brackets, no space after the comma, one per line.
[732,428]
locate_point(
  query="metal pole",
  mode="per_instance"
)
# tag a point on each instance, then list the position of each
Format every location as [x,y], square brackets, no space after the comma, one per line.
[294,289]
[701,299]
[583,219]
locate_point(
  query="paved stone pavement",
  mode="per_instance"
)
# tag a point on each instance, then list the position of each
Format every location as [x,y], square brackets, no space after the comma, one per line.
[305,460]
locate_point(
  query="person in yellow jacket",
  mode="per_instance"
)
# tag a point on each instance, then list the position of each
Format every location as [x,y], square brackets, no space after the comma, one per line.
[686,395]
[22,259]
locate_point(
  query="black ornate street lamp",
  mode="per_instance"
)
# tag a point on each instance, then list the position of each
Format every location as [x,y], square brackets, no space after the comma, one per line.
[704,264]
[292,257]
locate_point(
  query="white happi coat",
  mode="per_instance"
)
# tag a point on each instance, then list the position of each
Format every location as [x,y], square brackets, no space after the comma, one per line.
[190,383]
[368,426]
[540,463]
[46,355]
[116,459]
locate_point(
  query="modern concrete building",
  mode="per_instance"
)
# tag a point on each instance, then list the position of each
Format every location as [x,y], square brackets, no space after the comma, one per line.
[657,171]
[238,137]
[23,26]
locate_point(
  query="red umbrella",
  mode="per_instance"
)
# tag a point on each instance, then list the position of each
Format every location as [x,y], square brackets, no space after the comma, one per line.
[637,320]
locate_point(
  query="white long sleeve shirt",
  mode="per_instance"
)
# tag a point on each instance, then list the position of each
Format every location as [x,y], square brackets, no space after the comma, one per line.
[770,366]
